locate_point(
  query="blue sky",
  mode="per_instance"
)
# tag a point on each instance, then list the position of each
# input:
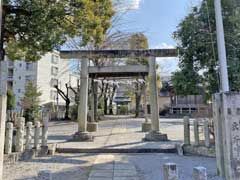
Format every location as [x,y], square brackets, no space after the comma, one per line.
[157,19]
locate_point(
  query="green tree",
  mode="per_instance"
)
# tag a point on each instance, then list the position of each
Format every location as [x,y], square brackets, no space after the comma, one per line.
[32,28]
[11,102]
[196,39]
[138,41]
[31,102]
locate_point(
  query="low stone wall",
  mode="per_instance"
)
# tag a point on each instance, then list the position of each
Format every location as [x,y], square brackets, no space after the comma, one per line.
[202,148]
[199,150]
[25,141]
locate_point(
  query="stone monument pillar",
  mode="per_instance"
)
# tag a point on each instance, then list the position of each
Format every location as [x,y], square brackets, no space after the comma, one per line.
[155,134]
[82,134]
[227,109]
[218,134]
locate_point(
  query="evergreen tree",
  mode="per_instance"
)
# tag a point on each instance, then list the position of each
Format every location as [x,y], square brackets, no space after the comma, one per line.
[197,44]
[31,102]
[32,28]
[11,102]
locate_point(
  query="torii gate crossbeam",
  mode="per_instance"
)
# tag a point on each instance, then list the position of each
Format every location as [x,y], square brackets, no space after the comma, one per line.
[78,54]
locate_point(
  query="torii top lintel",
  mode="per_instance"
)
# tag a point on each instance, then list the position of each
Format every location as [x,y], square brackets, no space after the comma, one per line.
[78,54]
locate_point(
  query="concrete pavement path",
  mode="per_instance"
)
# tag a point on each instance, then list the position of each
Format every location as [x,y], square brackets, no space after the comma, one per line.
[116,133]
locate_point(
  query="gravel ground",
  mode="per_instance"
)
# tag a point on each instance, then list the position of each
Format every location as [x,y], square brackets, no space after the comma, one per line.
[78,166]
[64,166]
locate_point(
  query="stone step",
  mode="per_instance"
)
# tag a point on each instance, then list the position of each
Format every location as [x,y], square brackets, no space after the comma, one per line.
[115,150]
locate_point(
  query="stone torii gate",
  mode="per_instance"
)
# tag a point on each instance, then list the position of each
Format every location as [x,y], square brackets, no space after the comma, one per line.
[85,55]
[116,72]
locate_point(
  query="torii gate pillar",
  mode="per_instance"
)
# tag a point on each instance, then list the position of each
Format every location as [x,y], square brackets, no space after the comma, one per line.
[155,134]
[82,134]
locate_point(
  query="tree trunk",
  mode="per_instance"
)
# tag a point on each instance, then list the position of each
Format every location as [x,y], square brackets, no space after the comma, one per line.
[111,100]
[138,99]
[67,106]
[105,105]
[105,100]
[95,94]
[111,107]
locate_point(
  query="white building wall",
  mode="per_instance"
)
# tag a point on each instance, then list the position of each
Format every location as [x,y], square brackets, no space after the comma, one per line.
[42,74]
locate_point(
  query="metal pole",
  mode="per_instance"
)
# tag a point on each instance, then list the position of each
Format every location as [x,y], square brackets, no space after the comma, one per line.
[221,47]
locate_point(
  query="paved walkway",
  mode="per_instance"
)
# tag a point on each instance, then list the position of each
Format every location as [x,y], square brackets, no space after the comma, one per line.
[108,167]
[116,133]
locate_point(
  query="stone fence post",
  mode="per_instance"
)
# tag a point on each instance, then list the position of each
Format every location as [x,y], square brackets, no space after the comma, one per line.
[44,175]
[20,134]
[170,171]
[29,133]
[196,132]
[206,133]
[199,173]
[9,138]
[45,129]
[186,130]
[37,134]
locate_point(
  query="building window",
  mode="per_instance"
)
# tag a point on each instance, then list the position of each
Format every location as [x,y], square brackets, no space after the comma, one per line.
[54,82]
[10,73]
[10,63]
[53,94]
[29,66]
[55,59]
[20,65]
[10,85]
[28,78]
[54,70]
[19,77]
[19,90]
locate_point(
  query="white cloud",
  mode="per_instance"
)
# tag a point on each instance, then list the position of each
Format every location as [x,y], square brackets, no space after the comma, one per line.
[134,4]
[125,5]
[164,46]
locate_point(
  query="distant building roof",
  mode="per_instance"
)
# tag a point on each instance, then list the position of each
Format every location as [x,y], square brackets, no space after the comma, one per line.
[121,99]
